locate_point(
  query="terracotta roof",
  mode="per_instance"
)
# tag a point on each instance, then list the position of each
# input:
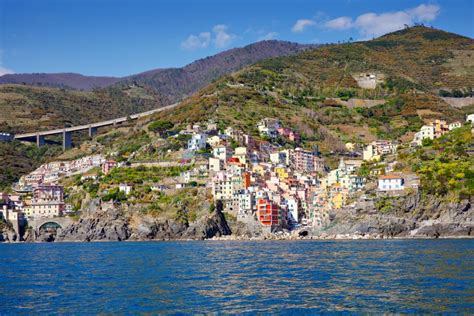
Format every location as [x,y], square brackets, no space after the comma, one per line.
[390,176]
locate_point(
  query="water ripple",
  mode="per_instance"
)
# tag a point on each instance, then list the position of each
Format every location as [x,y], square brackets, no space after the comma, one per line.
[416,276]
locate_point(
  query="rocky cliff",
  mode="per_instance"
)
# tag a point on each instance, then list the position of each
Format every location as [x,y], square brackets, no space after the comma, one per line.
[410,217]
[117,223]
[7,233]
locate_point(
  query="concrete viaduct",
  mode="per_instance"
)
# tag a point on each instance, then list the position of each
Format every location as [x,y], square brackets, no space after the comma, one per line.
[39,137]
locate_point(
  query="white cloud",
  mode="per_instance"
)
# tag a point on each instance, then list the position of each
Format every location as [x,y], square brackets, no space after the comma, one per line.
[4,70]
[193,42]
[341,23]
[372,24]
[268,36]
[301,24]
[221,37]
[425,12]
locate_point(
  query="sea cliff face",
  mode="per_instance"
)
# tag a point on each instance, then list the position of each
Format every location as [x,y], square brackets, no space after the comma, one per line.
[408,217]
[108,223]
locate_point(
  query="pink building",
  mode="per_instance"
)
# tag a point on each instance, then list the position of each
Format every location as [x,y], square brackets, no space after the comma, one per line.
[289,133]
[108,165]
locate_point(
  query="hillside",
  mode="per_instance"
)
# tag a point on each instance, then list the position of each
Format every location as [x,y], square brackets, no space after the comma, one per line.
[47,101]
[26,108]
[177,83]
[59,80]
[317,91]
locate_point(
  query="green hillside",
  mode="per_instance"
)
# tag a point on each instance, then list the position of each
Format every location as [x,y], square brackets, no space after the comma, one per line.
[315,92]
[28,108]
[310,91]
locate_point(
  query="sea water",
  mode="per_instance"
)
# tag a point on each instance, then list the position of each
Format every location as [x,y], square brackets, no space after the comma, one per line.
[285,277]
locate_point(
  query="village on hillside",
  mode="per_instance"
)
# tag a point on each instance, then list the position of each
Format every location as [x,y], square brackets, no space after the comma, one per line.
[256,181]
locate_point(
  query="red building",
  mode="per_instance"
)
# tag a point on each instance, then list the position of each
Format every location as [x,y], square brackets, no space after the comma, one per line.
[268,213]
[233,161]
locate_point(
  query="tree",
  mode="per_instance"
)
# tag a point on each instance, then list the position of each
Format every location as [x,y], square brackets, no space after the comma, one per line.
[160,126]
[457,93]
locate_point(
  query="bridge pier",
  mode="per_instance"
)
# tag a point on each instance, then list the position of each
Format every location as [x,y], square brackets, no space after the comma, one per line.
[39,140]
[92,131]
[67,140]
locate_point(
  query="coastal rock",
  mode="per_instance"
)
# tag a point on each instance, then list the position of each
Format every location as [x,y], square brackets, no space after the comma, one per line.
[45,237]
[208,227]
[445,230]
[410,216]
[107,225]
[151,229]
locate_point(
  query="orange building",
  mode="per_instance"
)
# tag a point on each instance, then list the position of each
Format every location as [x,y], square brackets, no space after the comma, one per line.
[440,127]
[246,179]
[268,213]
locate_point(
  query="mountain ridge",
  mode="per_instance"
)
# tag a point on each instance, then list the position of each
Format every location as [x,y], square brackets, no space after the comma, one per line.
[65,80]
[218,64]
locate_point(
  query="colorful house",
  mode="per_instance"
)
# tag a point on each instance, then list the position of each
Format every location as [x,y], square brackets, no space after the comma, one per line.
[268,213]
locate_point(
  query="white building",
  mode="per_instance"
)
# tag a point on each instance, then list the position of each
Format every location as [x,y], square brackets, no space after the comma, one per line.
[470,118]
[211,126]
[454,125]
[222,153]
[197,142]
[279,158]
[186,176]
[215,164]
[125,188]
[426,131]
[229,132]
[391,183]
[246,201]
[292,204]
[268,127]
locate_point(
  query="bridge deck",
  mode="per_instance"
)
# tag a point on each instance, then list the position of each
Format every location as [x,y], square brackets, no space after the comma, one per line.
[94,125]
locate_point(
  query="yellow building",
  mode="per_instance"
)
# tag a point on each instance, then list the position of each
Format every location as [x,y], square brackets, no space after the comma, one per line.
[241,154]
[337,200]
[281,173]
[369,154]
[338,196]
[214,141]
[259,170]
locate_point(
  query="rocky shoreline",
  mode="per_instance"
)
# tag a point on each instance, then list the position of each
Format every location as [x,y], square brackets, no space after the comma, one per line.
[411,218]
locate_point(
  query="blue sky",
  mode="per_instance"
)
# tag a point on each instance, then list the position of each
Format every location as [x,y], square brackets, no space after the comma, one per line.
[118,38]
